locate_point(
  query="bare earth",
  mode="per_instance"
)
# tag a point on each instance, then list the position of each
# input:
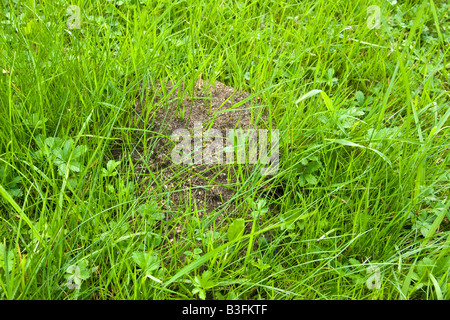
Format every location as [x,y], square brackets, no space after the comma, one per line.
[205,186]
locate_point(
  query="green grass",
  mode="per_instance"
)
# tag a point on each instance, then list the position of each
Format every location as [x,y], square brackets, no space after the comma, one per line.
[364,164]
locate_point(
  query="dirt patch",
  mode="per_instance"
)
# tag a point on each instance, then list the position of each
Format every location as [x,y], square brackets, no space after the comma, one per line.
[218,107]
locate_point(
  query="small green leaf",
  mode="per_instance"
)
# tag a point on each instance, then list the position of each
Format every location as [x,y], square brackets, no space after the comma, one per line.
[327,100]
[154,240]
[146,260]
[311,179]
[302,181]
[359,97]
[53,143]
[151,211]
[67,146]
[75,166]
[73,183]
[236,229]
[112,165]
[62,169]
[263,243]
[79,151]
[313,166]
[260,265]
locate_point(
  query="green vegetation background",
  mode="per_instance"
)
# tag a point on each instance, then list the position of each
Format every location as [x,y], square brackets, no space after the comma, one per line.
[358,210]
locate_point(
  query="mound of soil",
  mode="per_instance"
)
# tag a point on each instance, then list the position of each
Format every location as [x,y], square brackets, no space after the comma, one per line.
[216,106]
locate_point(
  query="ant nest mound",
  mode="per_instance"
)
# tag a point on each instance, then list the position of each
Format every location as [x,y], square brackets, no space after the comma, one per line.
[203,183]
